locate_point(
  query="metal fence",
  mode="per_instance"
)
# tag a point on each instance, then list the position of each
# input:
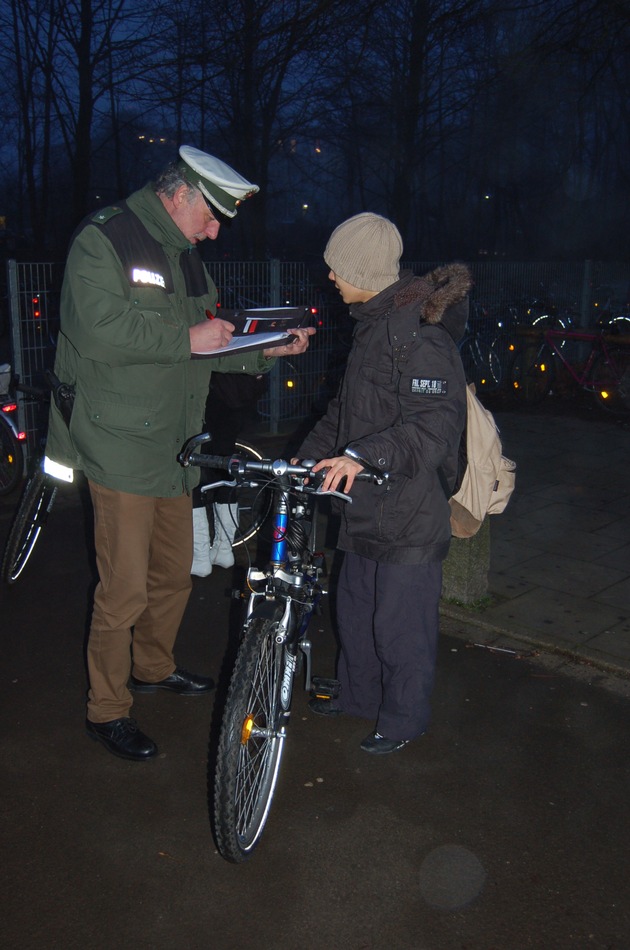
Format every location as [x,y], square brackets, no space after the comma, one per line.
[304,385]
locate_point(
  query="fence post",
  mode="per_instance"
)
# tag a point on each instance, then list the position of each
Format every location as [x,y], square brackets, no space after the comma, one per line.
[15,329]
[274,377]
[585,304]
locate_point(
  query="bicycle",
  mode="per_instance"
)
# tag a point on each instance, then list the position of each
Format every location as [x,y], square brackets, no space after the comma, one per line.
[36,500]
[273,646]
[480,358]
[605,372]
[11,454]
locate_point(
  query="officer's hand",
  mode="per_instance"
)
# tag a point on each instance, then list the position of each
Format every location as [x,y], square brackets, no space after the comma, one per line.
[210,335]
[299,345]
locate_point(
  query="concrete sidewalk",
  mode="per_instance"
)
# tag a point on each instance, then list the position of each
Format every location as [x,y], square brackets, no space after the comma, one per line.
[560,553]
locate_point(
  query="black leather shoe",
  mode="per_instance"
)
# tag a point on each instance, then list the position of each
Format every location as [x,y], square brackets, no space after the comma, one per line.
[123,738]
[180,681]
[324,707]
[379,745]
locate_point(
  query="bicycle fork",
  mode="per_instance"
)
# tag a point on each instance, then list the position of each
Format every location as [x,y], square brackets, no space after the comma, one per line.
[284,630]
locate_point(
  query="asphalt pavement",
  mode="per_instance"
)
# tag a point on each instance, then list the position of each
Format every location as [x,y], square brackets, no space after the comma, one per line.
[504,828]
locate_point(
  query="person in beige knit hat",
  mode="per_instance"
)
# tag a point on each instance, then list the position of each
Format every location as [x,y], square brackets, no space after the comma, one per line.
[400,408]
[364,252]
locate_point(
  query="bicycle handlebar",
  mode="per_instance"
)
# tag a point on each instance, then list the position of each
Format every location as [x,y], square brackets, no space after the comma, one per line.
[237,465]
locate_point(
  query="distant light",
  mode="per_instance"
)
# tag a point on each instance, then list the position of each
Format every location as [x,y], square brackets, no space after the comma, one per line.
[487,197]
[304,207]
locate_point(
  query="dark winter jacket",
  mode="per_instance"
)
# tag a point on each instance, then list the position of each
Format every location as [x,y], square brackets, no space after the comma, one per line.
[401,406]
[133,286]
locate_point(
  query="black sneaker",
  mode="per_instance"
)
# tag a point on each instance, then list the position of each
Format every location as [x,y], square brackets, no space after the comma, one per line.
[380,745]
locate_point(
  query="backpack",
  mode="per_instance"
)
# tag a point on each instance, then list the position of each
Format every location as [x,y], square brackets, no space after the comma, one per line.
[487,476]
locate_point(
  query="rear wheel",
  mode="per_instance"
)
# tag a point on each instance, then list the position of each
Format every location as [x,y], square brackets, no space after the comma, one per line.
[30,518]
[252,739]
[532,373]
[482,364]
[611,380]
[11,459]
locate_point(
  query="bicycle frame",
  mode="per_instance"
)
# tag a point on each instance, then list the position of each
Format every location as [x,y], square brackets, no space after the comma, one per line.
[552,337]
[293,588]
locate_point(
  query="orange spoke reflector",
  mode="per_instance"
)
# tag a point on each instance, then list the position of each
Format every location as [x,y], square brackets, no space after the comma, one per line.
[246,731]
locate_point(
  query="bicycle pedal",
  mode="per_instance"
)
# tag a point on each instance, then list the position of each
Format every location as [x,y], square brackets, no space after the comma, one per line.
[324,688]
[318,560]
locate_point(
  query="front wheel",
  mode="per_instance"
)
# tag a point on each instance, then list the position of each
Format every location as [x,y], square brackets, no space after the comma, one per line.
[251,742]
[254,504]
[611,380]
[531,374]
[29,520]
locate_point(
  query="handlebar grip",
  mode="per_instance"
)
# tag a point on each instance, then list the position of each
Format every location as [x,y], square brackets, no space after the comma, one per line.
[208,461]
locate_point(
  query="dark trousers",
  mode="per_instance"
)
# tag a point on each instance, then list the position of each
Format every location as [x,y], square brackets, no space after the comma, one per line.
[388,619]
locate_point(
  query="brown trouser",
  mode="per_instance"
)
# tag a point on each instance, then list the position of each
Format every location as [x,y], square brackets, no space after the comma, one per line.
[144,555]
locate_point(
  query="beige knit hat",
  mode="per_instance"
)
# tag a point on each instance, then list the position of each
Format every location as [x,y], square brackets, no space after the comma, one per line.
[365,251]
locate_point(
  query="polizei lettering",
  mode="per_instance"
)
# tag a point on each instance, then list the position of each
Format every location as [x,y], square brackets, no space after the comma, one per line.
[141,276]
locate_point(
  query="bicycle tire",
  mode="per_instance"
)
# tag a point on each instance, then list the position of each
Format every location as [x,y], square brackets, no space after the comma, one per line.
[251,740]
[531,374]
[606,378]
[11,459]
[30,518]
[254,504]
[482,364]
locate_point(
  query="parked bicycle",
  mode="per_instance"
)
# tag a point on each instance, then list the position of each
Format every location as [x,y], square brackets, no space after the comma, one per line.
[35,502]
[480,358]
[605,372]
[11,454]
[274,644]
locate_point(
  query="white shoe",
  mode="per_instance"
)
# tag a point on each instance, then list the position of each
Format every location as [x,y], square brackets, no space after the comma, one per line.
[201,565]
[225,523]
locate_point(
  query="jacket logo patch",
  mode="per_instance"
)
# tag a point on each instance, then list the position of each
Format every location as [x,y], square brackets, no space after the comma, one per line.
[429,387]
[140,276]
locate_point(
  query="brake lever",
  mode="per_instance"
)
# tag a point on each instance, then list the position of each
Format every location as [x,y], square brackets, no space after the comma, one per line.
[335,494]
[220,484]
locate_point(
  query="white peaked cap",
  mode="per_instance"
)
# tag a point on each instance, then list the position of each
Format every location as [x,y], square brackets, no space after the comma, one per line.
[220,185]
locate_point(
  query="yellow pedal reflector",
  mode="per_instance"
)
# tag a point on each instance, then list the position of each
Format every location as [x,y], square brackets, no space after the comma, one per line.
[246,731]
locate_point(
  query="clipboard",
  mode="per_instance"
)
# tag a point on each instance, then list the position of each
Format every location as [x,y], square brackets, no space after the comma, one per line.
[259,328]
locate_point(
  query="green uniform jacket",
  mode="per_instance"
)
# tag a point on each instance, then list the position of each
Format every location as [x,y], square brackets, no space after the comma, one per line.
[124,344]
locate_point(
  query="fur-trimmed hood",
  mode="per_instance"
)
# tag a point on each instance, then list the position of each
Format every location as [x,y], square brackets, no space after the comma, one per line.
[443,295]
[438,290]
